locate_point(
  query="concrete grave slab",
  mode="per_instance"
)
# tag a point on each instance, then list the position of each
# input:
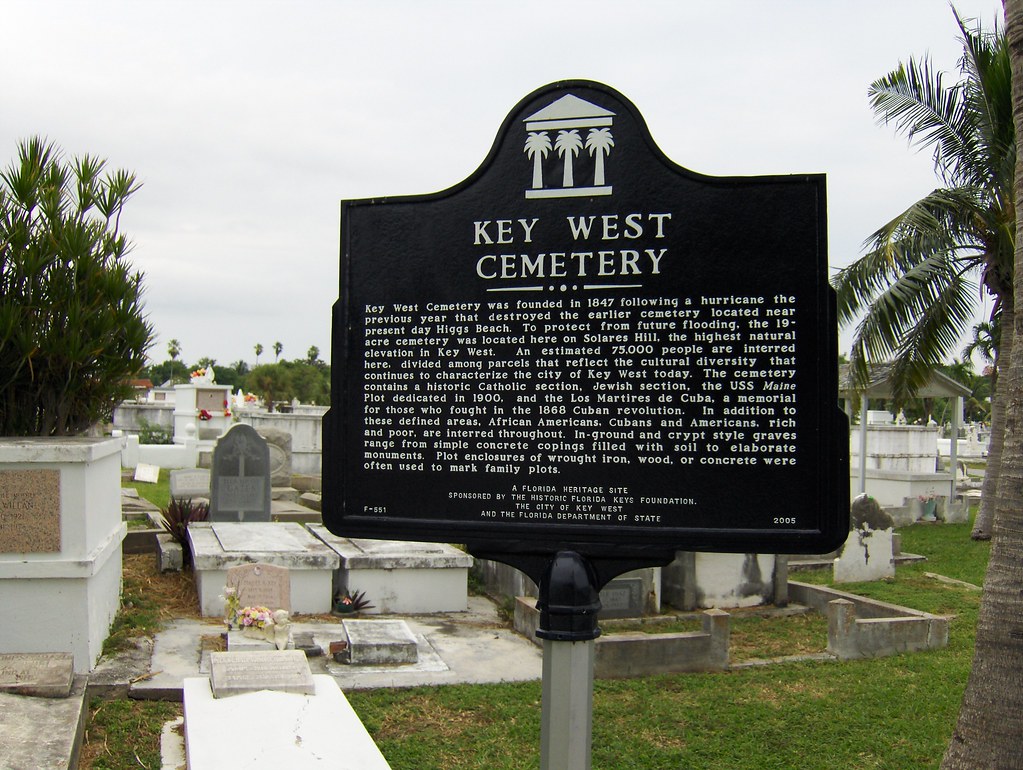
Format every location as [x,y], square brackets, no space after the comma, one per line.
[216,547]
[276,729]
[42,732]
[401,577]
[380,642]
[257,537]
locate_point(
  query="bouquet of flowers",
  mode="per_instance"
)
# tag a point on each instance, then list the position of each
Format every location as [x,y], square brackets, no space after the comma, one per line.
[205,415]
[254,617]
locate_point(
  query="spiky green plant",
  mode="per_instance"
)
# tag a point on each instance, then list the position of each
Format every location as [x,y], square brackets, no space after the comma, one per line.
[72,328]
[175,518]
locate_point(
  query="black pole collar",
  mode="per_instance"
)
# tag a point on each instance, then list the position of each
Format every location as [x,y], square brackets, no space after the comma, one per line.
[569,599]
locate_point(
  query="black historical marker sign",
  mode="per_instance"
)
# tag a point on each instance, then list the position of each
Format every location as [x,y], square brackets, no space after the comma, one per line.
[585,345]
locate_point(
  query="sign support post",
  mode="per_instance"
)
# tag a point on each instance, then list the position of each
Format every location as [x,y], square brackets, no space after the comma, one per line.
[566,725]
[569,602]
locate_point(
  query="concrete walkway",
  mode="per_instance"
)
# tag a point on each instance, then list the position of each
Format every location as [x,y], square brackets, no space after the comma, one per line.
[454,648]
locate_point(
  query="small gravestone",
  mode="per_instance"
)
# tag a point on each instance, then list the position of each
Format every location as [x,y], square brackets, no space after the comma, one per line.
[868,553]
[279,444]
[240,479]
[146,473]
[236,673]
[867,513]
[623,598]
[261,585]
[190,482]
[41,674]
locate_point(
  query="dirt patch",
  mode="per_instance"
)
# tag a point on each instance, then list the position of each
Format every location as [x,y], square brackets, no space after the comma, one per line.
[174,592]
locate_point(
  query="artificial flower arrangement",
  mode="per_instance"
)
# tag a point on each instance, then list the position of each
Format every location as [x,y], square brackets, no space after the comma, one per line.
[260,622]
[254,617]
[198,373]
[205,415]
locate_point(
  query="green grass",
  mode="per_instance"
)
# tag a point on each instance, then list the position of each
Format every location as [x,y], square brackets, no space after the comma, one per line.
[139,615]
[893,713]
[125,733]
[158,494]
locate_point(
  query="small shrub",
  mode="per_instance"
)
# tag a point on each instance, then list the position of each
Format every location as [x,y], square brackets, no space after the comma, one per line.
[175,518]
[154,434]
[346,603]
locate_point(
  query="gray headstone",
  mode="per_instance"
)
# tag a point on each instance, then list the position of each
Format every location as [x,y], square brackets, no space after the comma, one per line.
[622,598]
[236,673]
[867,513]
[240,478]
[190,482]
[42,674]
[279,443]
[261,585]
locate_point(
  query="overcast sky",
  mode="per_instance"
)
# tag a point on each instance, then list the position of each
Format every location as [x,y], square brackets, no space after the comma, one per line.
[248,122]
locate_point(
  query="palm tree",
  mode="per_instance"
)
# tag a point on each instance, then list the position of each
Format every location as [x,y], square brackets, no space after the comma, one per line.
[984,343]
[259,351]
[917,285]
[989,730]
[538,147]
[599,142]
[568,144]
[174,350]
[278,347]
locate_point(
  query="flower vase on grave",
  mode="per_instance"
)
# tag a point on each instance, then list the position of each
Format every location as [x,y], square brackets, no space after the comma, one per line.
[929,506]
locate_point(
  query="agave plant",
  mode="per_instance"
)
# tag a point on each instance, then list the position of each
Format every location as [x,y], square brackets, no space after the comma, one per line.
[175,518]
[346,603]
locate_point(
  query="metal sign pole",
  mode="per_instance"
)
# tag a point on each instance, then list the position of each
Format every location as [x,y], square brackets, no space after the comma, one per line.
[566,716]
[569,602]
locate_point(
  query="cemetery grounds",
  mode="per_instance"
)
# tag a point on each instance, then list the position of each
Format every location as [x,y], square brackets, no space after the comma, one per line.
[895,712]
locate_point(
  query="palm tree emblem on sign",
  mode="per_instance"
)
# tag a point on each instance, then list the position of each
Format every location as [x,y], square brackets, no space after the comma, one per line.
[567,146]
[569,116]
[599,142]
[538,147]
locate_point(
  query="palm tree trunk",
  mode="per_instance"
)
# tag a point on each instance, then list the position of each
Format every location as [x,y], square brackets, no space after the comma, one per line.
[989,490]
[989,731]
[567,179]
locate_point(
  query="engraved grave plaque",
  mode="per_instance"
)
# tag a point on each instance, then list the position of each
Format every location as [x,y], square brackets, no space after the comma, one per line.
[236,673]
[30,511]
[261,585]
